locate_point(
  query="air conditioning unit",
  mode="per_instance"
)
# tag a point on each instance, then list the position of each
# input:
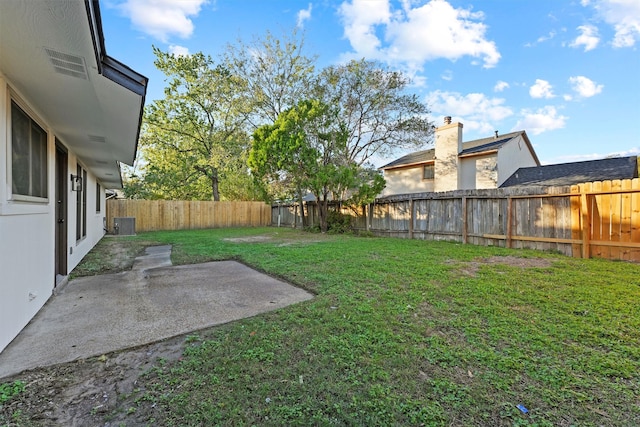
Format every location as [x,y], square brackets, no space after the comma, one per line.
[124,226]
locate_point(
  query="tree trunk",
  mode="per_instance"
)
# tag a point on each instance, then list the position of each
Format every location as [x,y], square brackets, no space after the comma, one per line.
[323,209]
[214,184]
[213,176]
[304,219]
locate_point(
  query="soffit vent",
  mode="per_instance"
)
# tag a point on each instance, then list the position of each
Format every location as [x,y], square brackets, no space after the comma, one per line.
[69,65]
[97,138]
[101,162]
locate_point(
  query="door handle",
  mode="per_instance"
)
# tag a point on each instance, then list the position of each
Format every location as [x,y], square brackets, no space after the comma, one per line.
[60,221]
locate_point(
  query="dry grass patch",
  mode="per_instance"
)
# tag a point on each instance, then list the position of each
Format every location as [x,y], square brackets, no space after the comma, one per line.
[470,269]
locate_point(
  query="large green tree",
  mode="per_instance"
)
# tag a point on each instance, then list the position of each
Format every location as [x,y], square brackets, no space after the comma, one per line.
[194,141]
[305,146]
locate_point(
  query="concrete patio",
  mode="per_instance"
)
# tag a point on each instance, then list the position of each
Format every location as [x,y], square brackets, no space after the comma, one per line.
[95,315]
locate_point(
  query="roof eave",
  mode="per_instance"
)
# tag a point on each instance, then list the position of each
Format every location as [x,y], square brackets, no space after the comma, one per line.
[113,69]
[408,165]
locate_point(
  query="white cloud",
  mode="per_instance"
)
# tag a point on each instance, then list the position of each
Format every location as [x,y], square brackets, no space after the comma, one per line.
[360,20]
[623,15]
[500,86]
[414,35]
[178,50]
[162,18]
[541,89]
[541,120]
[585,87]
[588,38]
[549,36]
[542,39]
[447,75]
[475,110]
[304,15]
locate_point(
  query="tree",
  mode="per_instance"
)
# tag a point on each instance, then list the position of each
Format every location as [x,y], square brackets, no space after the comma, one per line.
[277,73]
[195,136]
[305,146]
[377,114]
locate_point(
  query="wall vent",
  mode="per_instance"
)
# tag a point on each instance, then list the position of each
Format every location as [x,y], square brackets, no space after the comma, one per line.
[97,138]
[69,65]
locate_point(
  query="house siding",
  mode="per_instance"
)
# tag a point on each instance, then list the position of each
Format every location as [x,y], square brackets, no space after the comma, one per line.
[406,180]
[513,155]
[27,229]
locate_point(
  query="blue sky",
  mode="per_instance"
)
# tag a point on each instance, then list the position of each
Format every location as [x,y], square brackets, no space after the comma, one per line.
[567,72]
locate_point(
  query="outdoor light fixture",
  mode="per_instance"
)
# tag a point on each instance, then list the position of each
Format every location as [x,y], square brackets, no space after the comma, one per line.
[76,182]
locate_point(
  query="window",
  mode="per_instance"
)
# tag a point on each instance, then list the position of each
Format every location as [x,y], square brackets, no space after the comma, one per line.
[28,155]
[81,205]
[97,197]
[428,172]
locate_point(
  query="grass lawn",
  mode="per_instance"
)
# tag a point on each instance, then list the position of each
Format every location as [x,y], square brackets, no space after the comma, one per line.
[405,332]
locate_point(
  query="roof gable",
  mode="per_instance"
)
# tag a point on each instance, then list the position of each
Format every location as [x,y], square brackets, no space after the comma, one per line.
[477,146]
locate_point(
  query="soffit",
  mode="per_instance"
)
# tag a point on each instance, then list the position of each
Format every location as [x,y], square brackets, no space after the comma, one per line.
[47,55]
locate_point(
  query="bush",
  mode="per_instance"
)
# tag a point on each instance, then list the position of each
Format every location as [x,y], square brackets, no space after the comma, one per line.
[338,223]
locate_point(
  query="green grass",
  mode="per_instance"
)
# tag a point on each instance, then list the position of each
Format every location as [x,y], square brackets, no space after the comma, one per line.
[402,332]
[10,390]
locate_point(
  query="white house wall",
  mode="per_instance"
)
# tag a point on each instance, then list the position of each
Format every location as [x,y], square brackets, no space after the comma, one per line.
[513,155]
[95,228]
[406,181]
[27,230]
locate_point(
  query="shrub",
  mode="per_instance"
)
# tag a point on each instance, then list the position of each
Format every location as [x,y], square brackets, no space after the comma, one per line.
[338,223]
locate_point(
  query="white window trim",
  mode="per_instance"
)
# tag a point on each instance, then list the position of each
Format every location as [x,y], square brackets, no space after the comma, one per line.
[13,96]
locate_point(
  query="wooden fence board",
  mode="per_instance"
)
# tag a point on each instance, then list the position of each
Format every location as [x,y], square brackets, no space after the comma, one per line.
[625,217]
[591,219]
[615,216]
[635,219]
[152,215]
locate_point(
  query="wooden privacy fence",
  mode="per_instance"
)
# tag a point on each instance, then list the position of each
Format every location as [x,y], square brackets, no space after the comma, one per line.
[598,219]
[152,215]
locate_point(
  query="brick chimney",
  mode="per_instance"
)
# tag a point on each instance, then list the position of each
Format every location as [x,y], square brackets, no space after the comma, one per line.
[448,145]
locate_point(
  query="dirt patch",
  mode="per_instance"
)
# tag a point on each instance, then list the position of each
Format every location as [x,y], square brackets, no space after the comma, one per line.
[97,391]
[249,239]
[471,268]
[302,239]
[112,254]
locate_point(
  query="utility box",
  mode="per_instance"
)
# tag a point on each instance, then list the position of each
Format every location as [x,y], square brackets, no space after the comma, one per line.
[124,226]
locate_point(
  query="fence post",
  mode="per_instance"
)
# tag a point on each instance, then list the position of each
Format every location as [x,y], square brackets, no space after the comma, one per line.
[586,220]
[509,221]
[411,217]
[464,219]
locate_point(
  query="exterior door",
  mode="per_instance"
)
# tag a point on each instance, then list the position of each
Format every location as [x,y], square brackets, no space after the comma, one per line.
[61,210]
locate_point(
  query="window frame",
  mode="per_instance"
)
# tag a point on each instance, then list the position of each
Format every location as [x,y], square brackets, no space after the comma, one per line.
[14,101]
[431,167]
[98,198]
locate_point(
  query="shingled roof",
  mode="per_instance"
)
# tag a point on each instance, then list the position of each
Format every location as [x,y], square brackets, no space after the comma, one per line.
[574,173]
[475,147]
[418,157]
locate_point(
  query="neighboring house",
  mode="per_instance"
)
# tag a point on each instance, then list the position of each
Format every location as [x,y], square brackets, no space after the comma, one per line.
[456,165]
[575,173]
[69,114]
